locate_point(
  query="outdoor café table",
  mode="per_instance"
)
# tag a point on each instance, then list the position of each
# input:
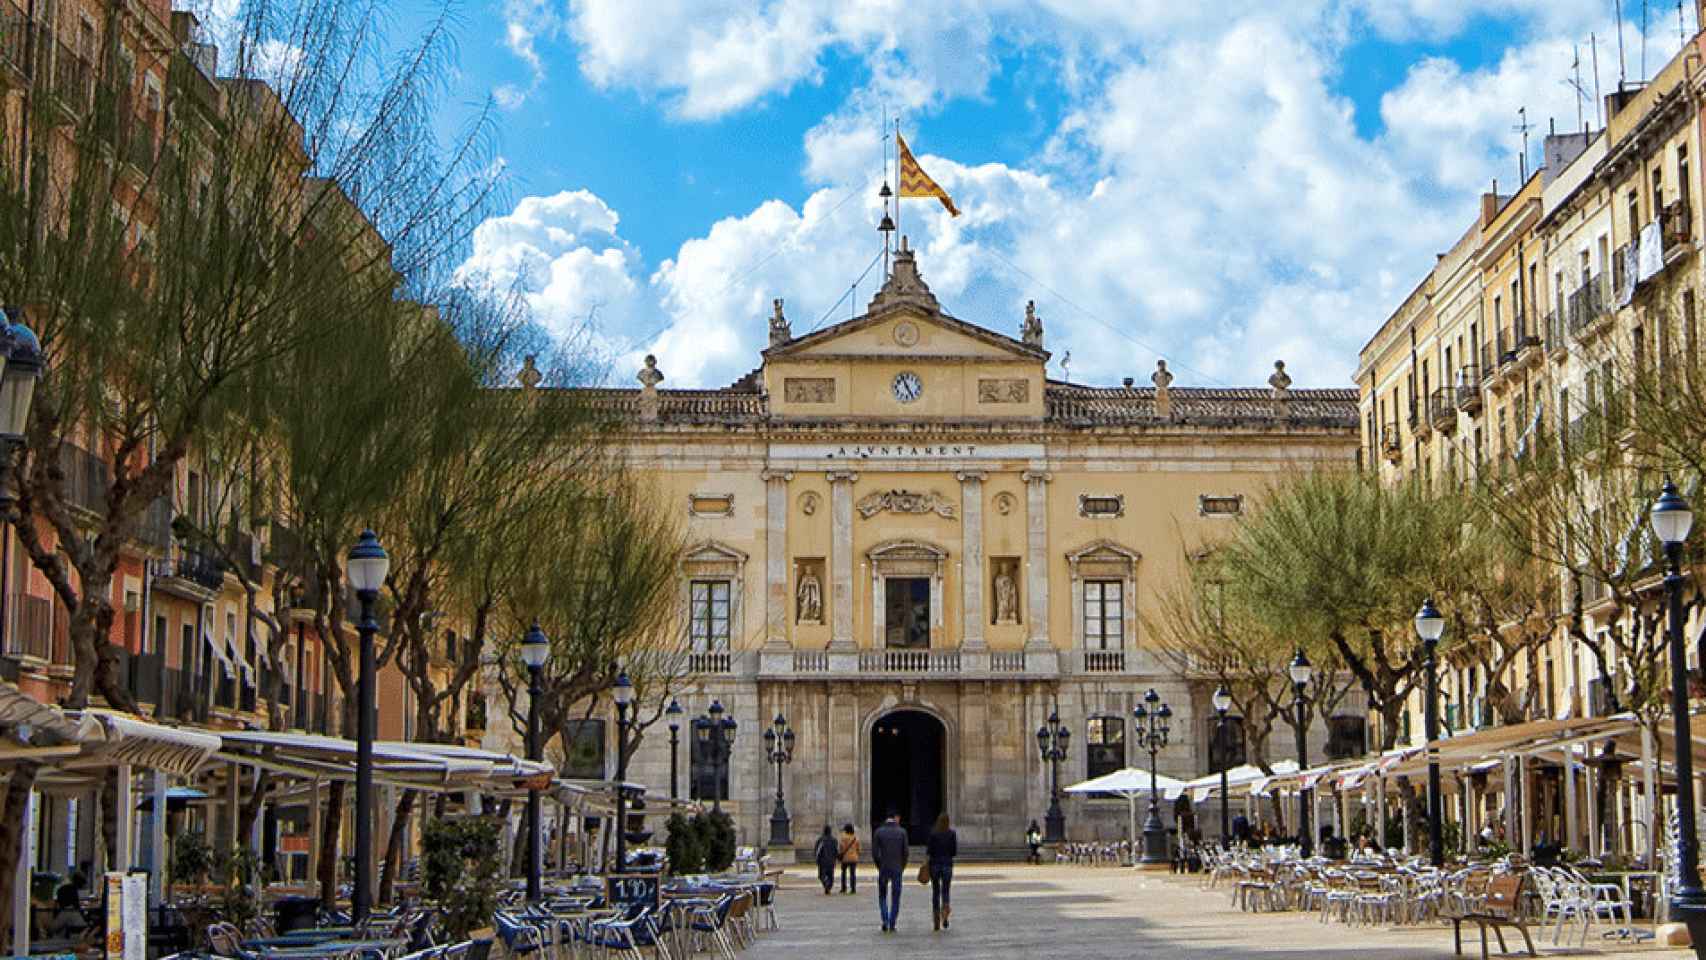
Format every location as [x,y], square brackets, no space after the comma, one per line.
[333,948]
[1623,878]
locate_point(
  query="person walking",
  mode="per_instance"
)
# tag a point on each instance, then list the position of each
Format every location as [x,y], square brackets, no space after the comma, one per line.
[826,854]
[849,855]
[941,849]
[888,849]
[1034,840]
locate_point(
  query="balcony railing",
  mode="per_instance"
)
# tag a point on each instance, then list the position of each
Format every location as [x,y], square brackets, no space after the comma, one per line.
[909,661]
[200,568]
[1442,408]
[1489,362]
[73,81]
[14,36]
[1586,304]
[1469,389]
[710,661]
[1104,661]
[1621,281]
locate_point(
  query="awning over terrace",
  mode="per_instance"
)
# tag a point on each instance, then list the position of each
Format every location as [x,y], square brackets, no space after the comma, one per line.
[419,766]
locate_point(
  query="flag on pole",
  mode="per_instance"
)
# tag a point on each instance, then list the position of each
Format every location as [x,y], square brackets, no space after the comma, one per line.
[914,182]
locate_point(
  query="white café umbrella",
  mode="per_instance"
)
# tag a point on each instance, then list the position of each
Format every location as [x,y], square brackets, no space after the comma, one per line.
[1132,784]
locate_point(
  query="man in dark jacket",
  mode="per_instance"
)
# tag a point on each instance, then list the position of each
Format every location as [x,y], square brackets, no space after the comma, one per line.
[888,849]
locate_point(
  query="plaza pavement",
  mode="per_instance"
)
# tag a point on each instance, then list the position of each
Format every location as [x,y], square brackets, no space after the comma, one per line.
[1016,912]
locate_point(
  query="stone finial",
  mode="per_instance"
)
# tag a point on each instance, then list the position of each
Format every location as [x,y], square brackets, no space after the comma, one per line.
[779,332]
[650,376]
[529,376]
[1163,380]
[1032,331]
[905,284]
[1280,383]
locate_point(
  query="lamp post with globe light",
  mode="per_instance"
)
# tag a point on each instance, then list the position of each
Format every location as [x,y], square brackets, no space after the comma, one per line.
[366,567]
[1053,739]
[1223,703]
[535,650]
[1430,626]
[622,691]
[1301,670]
[674,712]
[1152,721]
[779,748]
[1671,520]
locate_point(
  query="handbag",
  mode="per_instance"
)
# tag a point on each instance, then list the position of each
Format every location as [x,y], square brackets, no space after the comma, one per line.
[924,872]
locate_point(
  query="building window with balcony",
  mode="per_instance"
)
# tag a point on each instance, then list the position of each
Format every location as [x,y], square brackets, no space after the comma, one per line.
[1104,615]
[1104,580]
[708,614]
[1104,746]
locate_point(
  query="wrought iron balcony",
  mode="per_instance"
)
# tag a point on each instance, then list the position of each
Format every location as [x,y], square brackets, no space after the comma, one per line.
[200,569]
[1469,389]
[1442,409]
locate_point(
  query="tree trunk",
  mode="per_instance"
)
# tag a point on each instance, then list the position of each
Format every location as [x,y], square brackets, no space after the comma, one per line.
[250,810]
[329,844]
[109,820]
[394,846]
[13,828]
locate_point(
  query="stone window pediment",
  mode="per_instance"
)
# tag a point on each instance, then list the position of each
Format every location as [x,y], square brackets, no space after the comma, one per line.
[711,556]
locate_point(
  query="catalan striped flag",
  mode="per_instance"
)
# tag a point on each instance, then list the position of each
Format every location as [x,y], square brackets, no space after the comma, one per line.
[914,182]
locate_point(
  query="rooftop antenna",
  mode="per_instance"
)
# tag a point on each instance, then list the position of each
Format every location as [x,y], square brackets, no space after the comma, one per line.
[1622,77]
[886,225]
[1574,82]
[1598,98]
[1522,127]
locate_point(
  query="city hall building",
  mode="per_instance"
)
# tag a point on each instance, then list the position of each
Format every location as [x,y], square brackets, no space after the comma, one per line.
[915,546]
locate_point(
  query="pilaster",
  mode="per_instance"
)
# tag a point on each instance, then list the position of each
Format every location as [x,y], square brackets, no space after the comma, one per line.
[841,560]
[1036,560]
[972,574]
[777,601]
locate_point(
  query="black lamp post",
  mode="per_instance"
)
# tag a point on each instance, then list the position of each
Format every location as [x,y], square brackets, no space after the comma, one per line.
[1430,626]
[535,649]
[779,747]
[717,732]
[674,713]
[20,367]
[1300,670]
[1223,703]
[1672,518]
[367,566]
[1053,739]
[1152,720]
[623,693]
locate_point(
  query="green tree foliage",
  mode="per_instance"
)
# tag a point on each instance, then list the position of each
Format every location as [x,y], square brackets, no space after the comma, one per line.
[461,871]
[684,846]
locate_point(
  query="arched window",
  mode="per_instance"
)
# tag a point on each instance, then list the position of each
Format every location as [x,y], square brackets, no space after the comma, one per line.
[1104,745]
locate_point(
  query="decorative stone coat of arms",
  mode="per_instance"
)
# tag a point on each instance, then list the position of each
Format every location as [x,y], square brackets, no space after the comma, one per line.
[904,501]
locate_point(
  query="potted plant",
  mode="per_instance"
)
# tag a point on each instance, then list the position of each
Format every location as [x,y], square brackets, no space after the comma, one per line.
[461,873]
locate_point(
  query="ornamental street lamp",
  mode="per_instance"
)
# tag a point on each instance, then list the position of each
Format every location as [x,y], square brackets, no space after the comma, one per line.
[674,713]
[367,566]
[20,368]
[623,693]
[535,650]
[1430,626]
[1672,518]
[717,734]
[1300,671]
[779,747]
[1053,739]
[1223,703]
[1153,718]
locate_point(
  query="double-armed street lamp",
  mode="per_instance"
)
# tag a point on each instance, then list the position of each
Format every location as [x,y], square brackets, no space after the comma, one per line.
[1301,670]
[1430,626]
[779,748]
[367,567]
[622,691]
[1053,739]
[1223,703]
[674,712]
[1672,519]
[535,650]
[1153,719]
[717,733]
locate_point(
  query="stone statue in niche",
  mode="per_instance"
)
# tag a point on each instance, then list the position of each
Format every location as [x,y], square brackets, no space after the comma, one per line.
[1006,597]
[809,597]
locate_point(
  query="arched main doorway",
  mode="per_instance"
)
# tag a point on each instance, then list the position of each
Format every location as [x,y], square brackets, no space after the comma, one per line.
[907,748]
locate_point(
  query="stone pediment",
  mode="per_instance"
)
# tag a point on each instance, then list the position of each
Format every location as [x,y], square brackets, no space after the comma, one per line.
[905,320]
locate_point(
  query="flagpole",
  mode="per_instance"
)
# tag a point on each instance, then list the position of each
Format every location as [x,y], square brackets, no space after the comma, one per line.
[899,191]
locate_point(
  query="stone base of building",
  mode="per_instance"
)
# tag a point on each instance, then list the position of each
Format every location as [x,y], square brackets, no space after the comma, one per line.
[782,856]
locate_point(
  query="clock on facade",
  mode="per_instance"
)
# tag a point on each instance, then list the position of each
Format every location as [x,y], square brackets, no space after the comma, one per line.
[907,387]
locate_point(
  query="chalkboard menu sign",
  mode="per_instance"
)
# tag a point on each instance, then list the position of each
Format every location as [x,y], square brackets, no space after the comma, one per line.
[629,889]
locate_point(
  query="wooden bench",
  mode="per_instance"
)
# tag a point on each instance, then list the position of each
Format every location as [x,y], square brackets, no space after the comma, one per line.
[1502,908]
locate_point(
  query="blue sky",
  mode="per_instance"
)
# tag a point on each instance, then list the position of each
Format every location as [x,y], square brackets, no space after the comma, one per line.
[1221,187]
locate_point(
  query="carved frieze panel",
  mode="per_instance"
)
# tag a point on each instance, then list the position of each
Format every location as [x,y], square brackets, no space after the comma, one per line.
[711,505]
[904,501]
[1004,391]
[809,389]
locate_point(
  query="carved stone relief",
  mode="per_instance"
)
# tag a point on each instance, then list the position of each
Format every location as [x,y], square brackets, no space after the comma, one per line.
[1003,391]
[1005,502]
[809,389]
[904,501]
[906,333]
[809,502]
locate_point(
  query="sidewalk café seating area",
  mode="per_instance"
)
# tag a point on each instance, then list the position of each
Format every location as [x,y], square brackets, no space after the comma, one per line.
[1490,898]
[716,916]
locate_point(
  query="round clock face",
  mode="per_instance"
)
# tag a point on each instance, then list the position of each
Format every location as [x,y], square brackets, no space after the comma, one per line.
[907,387]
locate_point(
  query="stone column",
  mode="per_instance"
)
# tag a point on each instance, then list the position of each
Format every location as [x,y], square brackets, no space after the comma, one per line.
[1036,557]
[972,574]
[841,560]
[778,604]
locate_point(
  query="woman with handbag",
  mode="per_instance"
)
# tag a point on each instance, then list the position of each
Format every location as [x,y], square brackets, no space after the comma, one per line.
[940,851]
[849,859]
